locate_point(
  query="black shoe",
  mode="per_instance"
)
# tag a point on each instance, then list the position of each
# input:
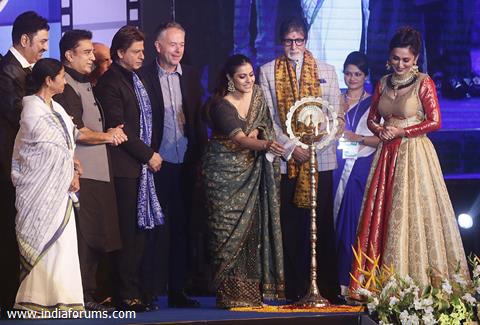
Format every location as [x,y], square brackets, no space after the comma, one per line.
[95,306]
[150,305]
[108,302]
[132,305]
[180,300]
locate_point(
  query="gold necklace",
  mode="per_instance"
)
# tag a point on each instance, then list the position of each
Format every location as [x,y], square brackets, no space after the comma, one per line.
[398,81]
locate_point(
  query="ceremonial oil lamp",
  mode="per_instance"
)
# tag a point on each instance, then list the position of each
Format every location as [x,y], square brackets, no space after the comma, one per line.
[319,123]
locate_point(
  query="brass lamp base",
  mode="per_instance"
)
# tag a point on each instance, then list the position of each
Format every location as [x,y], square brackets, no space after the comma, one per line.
[313,299]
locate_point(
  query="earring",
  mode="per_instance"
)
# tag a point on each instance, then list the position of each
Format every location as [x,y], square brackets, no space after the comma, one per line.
[415,68]
[230,86]
[388,66]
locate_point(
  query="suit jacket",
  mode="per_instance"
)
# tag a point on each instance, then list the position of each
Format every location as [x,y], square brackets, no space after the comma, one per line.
[192,91]
[327,159]
[116,95]
[12,90]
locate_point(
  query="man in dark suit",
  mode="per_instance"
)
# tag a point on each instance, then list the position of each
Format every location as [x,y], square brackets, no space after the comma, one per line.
[178,91]
[30,41]
[116,92]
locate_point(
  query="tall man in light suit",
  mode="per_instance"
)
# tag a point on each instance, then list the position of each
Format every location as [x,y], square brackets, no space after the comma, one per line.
[30,41]
[177,90]
[292,76]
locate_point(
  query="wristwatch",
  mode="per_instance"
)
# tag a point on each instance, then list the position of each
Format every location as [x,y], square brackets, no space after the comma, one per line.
[363,140]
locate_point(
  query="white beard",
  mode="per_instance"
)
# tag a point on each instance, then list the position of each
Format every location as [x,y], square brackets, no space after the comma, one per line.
[294,57]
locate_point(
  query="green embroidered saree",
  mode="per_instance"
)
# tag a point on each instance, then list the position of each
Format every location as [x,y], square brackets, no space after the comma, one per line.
[242,190]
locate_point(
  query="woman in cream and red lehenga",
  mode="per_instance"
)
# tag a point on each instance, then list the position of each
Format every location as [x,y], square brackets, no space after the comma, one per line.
[407,218]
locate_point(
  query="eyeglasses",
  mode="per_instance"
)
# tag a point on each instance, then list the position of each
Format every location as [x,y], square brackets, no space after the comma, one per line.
[289,41]
[353,74]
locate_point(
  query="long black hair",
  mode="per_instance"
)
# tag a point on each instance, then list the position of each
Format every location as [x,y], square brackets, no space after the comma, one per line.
[41,70]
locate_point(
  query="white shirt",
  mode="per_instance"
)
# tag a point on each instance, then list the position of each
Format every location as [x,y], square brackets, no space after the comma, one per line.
[20,58]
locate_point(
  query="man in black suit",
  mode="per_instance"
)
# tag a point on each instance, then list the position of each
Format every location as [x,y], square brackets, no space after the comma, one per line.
[178,91]
[30,41]
[116,92]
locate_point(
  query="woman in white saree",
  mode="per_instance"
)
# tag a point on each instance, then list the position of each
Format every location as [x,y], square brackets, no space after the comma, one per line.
[46,178]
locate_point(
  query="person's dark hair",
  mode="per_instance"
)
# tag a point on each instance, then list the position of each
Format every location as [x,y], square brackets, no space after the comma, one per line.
[28,23]
[293,24]
[124,38]
[41,70]
[357,59]
[407,37]
[164,26]
[229,68]
[70,40]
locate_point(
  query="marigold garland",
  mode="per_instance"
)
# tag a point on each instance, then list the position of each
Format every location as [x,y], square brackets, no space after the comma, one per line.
[299,309]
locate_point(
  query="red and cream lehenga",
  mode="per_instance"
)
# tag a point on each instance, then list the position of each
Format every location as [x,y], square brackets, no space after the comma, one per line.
[407,218]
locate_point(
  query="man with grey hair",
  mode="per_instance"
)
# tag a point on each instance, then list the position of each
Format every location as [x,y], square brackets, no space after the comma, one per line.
[177,90]
[290,77]
[102,62]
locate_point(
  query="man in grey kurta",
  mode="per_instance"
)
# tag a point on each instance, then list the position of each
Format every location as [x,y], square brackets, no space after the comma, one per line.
[98,230]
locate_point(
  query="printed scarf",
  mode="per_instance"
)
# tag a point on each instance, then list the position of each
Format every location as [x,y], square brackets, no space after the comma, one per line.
[288,92]
[149,211]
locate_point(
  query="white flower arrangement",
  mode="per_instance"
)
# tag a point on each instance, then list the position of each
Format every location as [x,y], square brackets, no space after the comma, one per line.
[446,287]
[392,299]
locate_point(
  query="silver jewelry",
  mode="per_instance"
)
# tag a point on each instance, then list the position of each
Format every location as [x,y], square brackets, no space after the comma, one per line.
[230,86]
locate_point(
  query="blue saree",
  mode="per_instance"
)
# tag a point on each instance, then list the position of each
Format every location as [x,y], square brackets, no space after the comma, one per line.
[349,182]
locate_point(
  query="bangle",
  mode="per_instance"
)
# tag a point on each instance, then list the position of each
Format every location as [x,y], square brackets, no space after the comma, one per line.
[362,141]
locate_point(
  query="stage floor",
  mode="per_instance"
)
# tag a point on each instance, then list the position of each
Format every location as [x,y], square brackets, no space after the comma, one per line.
[209,314]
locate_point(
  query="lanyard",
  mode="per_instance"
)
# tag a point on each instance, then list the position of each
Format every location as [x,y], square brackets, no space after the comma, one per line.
[351,123]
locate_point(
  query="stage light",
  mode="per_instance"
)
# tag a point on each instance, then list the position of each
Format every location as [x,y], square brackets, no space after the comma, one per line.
[465,221]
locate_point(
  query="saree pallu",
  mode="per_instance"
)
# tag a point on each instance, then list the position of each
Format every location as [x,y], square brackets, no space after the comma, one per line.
[42,171]
[244,217]
[407,217]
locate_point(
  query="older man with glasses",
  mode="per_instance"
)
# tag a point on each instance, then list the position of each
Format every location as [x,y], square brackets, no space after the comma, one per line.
[290,77]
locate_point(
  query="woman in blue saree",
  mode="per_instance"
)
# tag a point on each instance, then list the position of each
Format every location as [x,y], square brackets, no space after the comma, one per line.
[241,177]
[354,158]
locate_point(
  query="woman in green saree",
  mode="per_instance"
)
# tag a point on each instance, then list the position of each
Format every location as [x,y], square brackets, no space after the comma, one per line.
[241,178]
